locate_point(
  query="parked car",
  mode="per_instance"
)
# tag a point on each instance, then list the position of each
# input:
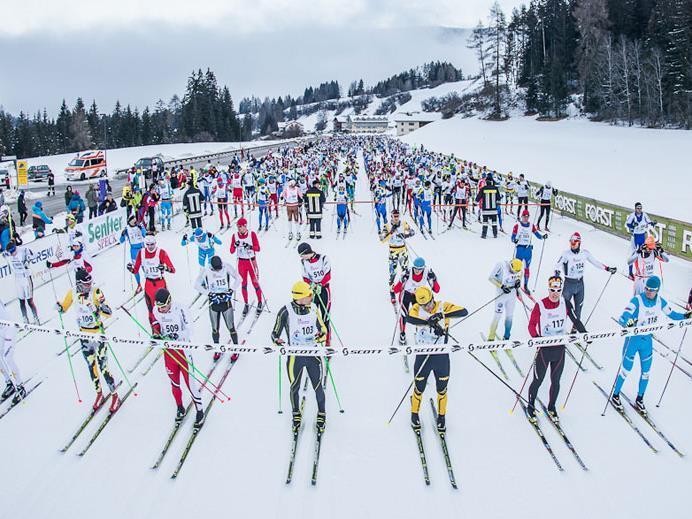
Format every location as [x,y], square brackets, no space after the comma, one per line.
[5,178]
[86,165]
[38,173]
[146,164]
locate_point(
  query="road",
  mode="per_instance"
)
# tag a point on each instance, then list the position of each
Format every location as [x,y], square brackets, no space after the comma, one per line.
[54,205]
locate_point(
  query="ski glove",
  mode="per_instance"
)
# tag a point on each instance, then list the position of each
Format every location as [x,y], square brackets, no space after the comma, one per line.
[316,289]
[438,330]
[517,283]
[612,270]
[630,322]
[59,307]
[506,289]
[436,318]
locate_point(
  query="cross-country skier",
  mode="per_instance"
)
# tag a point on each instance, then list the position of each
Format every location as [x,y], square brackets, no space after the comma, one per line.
[205,242]
[521,237]
[420,275]
[545,195]
[293,199]
[13,378]
[317,271]
[461,195]
[638,224]
[171,322]
[78,260]
[219,280]
[549,317]
[304,326]
[90,305]
[245,245]
[342,212]
[643,310]
[153,262]
[488,198]
[263,198]
[20,259]
[314,204]
[396,236]
[523,189]
[571,265]
[166,204]
[134,233]
[644,261]
[219,195]
[431,319]
[425,196]
[505,277]
[379,197]
[192,205]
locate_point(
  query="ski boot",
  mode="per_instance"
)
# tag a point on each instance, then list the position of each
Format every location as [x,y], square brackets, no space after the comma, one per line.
[259,307]
[217,356]
[531,414]
[312,235]
[19,395]
[9,391]
[138,289]
[297,236]
[639,403]
[415,422]
[402,338]
[115,403]
[552,414]
[199,420]
[179,415]
[234,357]
[441,425]
[321,422]
[246,309]
[98,401]
[297,420]
[617,403]
[526,290]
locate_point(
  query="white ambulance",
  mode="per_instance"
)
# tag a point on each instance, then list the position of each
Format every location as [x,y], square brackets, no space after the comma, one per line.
[86,165]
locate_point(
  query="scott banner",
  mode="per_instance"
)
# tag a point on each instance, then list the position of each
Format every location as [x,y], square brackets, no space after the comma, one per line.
[674,235]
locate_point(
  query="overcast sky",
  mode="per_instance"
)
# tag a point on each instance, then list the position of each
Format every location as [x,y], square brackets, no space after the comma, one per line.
[141,50]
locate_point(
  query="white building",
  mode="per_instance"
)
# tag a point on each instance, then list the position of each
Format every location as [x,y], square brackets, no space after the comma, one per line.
[361,123]
[411,121]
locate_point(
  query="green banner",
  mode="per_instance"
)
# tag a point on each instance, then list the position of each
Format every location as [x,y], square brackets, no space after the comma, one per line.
[674,235]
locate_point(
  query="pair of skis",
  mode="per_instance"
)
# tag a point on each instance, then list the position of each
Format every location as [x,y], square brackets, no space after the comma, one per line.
[645,417]
[14,404]
[294,449]
[445,451]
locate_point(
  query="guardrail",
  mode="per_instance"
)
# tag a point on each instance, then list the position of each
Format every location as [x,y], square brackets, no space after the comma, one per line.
[218,156]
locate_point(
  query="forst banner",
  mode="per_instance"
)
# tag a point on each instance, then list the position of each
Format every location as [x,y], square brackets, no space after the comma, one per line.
[674,235]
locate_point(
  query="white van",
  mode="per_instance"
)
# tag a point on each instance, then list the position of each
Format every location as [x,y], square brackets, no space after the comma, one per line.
[86,165]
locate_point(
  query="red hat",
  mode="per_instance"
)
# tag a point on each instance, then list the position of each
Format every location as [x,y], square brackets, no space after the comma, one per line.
[242,222]
[525,212]
[575,237]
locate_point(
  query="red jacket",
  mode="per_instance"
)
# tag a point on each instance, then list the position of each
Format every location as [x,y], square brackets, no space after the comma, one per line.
[163,258]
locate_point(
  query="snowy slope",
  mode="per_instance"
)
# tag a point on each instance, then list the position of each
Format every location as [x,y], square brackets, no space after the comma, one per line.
[614,164]
[367,469]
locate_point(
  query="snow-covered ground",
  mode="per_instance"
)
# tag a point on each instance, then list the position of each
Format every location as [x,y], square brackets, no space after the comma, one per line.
[610,163]
[367,469]
[122,158]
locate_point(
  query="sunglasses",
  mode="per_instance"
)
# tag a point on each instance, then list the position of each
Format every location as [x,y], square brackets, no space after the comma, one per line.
[651,289]
[555,289]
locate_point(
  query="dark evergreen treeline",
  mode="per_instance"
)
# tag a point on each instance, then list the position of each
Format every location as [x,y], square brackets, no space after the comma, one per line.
[627,60]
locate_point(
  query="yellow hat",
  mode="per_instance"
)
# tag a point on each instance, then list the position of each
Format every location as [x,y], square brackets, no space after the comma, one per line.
[516,265]
[300,290]
[423,295]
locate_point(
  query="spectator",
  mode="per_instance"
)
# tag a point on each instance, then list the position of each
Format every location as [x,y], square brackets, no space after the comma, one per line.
[92,201]
[51,184]
[68,195]
[77,207]
[21,207]
[108,205]
[149,201]
[39,219]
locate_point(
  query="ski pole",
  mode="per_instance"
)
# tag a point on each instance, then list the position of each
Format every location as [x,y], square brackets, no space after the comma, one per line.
[624,352]
[682,341]
[179,363]
[281,409]
[110,348]
[124,270]
[64,338]
[583,355]
[540,260]
[477,310]
[329,371]
[408,389]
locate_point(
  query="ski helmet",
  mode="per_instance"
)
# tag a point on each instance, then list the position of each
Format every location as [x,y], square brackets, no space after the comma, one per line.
[653,284]
[304,249]
[216,263]
[423,295]
[199,233]
[419,264]
[300,290]
[83,280]
[516,265]
[162,298]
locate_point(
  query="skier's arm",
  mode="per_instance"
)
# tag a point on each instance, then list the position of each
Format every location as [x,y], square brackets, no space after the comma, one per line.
[413,316]
[432,278]
[201,283]
[496,276]
[233,247]
[167,261]
[255,242]
[452,311]
[138,263]
[594,261]
[630,314]
[672,314]
[66,303]
[535,321]
[280,324]
[633,258]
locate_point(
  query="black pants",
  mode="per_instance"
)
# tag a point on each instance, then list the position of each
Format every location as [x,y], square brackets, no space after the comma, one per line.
[315,227]
[315,368]
[545,210]
[196,221]
[396,197]
[151,212]
[92,212]
[573,292]
[51,190]
[422,367]
[406,301]
[523,202]
[216,312]
[459,205]
[553,356]
[22,218]
[489,218]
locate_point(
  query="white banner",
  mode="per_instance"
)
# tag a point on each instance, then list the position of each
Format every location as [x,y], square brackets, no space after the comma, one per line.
[102,232]
[432,349]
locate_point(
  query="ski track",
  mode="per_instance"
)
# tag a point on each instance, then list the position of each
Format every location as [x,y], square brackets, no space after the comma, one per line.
[367,469]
